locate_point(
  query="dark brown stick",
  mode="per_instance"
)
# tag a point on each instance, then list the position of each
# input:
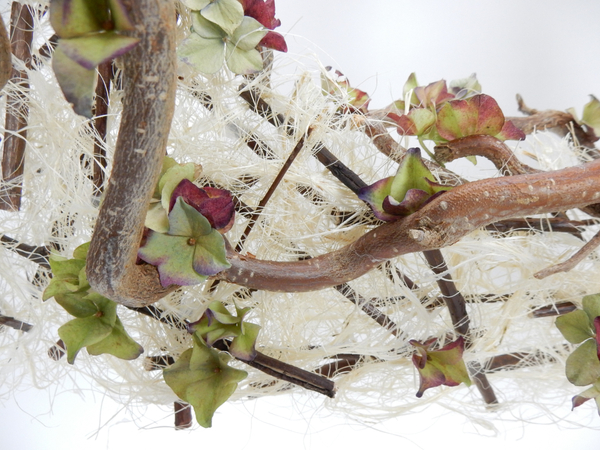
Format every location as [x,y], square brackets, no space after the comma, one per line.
[454,300]
[456,305]
[105,74]
[287,372]
[367,307]
[511,361]
[342,364]
[293,374]
[5,56]
[262,362]
[17,110]
[57,351]
[325,157]
[183,415]
[37,254]
[14,323]
[556,225]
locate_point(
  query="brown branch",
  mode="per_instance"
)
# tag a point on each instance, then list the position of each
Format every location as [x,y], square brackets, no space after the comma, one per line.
[482,383]
[456,305]
[553,224]
[14,323]
[105,75]
[452,297]
[287,372]
[487,146]
[388,268]
[5,56]
[34,253]
[570,263]
[369,309]
[183,415]
[545,120]
[511,361]
[382,139]
[57,351]
[560,122]
[17,109]
[325,157]
[263,202]
[557,309]
[342,364]
[149,98]
[440,223]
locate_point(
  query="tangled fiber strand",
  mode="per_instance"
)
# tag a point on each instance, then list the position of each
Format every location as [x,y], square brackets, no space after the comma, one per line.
[212,127]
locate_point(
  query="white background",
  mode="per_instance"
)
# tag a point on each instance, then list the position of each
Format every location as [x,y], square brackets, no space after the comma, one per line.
[545,50]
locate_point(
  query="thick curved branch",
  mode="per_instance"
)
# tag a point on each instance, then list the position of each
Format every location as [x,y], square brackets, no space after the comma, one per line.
[439,224]
[149,97]
[498,153]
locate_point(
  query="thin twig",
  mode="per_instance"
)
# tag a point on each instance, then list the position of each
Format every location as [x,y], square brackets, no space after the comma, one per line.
[338,169]
[262,362]
[263,202]
[460,319]
[454,300]
[17,110]
[382,139]
[560,122]
[287,372]
[325,157]
[557,309]
[485,298]
[511,361]
[157,313]
[556,225]
[440,223]
[368,308]
[105,75]
[570,263]
[5,55]
[343,364]
[482,383]
[148,105]
[57,351]
[34,253]
[14,323]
